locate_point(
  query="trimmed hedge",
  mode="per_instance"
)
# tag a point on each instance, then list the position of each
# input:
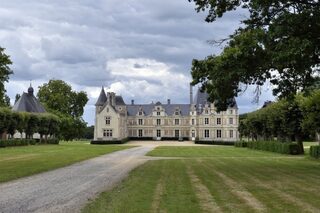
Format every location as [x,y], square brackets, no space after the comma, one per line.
[16,142]
[26,142]
[315,151]
[104,142]
[241,144]
[227,143]
[273,146]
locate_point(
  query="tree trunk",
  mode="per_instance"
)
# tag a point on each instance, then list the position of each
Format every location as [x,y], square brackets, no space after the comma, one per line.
[299,141]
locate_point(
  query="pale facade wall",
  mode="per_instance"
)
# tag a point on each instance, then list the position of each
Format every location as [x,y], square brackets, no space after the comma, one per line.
[209,125]
[116,126]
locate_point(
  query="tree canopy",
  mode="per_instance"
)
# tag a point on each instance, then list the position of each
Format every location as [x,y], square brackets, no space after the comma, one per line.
[59,98]
[279,42]
[5,71]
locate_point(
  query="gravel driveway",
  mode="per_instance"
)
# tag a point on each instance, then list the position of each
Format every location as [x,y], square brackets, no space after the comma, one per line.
[69,188]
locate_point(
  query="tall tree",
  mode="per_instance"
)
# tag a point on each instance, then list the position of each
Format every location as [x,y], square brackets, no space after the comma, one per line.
[58,96]
[279,42]
[5,71]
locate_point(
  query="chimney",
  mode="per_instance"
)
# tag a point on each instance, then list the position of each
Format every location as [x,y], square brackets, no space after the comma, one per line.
[132,102]
[169,101]
[191,94]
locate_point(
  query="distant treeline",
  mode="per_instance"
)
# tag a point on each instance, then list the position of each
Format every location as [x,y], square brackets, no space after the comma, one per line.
[285,120]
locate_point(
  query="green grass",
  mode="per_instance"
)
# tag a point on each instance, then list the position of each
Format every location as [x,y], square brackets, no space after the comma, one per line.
[209,151]
[16,162]
[263,182]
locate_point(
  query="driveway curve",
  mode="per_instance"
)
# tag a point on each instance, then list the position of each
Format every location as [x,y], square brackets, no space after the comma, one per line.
[68,189]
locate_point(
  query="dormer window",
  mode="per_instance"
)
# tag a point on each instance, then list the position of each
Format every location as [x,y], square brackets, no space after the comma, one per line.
[176,113]
[108,120]
[158,113]
[140,113]
[158,108]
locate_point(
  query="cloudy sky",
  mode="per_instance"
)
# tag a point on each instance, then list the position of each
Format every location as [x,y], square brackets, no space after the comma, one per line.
[139,49]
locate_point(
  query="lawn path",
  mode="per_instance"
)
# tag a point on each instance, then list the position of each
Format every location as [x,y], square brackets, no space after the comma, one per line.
[242,193]
[207,202]
[69,188]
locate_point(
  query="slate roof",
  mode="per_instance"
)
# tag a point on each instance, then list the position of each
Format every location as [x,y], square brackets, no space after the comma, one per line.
[147,108]
[202,98]
[119,100]
[102,98]
[28,103]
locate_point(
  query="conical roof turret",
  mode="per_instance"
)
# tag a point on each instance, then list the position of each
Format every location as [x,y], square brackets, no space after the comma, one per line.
[102,98]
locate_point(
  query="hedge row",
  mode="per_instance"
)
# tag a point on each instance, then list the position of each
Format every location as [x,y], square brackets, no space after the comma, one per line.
[105,142]
[272,146]
[241,144]
[227,143]
[26,142]
[315,151]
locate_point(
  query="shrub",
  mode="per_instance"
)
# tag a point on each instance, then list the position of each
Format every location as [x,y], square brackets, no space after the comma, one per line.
[273,146]
[315,151]
[104,142]
[53,141]
[227,143]
[241,144]
[16,142]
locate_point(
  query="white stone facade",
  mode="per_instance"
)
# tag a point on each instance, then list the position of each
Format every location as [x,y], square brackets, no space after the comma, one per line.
[116,120]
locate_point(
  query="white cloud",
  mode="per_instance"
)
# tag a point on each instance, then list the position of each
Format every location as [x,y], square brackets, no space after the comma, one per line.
[141,49]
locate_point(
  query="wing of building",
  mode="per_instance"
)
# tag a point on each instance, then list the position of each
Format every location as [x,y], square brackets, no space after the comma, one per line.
[199,119]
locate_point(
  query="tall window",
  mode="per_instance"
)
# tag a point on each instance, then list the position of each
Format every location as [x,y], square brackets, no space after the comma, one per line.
[230,120]
[140,133]
[218,121]
[158,122]
[206,121]
[107,133]
[140,121]
[219,133]
[108,120]
[158,133]
[206,133]
[192,121]
[193,134]
[176,121]
[231,111]
[231,133]
[176,133]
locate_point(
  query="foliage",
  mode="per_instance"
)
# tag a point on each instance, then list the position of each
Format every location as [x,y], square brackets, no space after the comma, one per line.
[88,132]
[274,146]
[279,43]
[102,142]
[227,143]
[45,123]
[59,98]
[315,151]
[311,110]
[17,142]
[5,71]
[241,144]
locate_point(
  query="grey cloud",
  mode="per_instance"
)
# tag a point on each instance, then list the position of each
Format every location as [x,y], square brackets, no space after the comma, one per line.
[74,40]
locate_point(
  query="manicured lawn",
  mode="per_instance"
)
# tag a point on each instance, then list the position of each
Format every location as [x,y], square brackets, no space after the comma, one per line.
[216,179]
[16,162]
[209,151]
